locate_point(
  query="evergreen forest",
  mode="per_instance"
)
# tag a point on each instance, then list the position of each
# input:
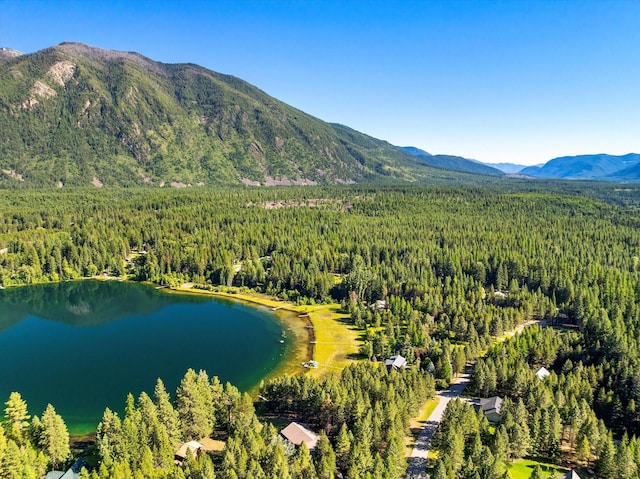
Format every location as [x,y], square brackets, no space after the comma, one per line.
[456,267]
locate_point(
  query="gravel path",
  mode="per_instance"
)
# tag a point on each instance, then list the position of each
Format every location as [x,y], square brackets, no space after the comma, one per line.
[418,460]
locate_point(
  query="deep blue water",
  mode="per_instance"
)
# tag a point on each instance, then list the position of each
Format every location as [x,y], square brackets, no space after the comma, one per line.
[82,346]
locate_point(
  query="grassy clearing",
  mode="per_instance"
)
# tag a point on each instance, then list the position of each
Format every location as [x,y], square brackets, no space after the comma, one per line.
[337,342]
[212,444]
[417,422]
[523,468]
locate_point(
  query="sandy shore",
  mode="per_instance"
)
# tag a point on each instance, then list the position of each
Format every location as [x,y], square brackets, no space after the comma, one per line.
[295,319]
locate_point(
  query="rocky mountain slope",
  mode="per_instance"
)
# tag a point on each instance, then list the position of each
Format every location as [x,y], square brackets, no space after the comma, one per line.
[79,115]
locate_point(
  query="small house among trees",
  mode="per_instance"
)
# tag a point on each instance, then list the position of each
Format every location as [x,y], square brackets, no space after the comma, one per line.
[542,373]
[396,362]
[192,448]
[72,473]
[379,305]
[297,434]
[572,475]
[492,408]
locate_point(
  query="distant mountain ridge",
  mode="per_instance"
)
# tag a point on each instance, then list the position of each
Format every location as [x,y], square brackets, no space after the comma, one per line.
[451,162]
[507,167]
[594,167]
[74,114]
[629,174]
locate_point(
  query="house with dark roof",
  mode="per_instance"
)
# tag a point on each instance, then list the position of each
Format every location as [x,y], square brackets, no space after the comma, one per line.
[396,362]
[572,475]
[297,434]
[492,408]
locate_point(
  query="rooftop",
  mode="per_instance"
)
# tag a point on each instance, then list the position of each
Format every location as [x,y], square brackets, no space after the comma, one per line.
[297,434]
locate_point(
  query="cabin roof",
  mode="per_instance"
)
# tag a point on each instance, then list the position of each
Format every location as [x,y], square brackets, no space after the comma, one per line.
[396,362]
[492,404]
[297,434]
[542,372]
[192,446]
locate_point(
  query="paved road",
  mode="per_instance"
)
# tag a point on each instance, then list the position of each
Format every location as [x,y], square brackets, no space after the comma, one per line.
[418,461]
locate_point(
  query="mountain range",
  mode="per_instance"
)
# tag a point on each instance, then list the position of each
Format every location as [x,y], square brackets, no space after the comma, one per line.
[74,114]
[590,167]
[451,162]
[78,115]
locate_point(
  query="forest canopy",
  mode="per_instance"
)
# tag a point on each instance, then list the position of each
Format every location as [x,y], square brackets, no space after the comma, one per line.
[455,267]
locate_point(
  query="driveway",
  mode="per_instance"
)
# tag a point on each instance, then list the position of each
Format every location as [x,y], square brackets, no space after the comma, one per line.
[417,463]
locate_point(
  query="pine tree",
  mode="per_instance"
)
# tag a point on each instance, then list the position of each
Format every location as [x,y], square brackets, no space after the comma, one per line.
[109,438]
[537,473]
[440,471]
[54,437]
[360,462]
[605,465]
[194,405]
[280,467]
[455,449]
[379,469]
[154,433]
[519,435]
[325,457]
[302,464]
[11,466]
[395,463]
[255,470]
[3,443]
[583,449]
[459,361]
[343,448]
[166,414]
[17,415]
[501,443]
[626,466]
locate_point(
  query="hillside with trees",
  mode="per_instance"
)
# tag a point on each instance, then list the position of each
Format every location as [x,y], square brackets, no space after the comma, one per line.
[79,115]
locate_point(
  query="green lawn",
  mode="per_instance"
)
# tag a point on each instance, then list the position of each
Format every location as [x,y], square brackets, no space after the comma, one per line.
[337,341]
[523,468]
[417,422]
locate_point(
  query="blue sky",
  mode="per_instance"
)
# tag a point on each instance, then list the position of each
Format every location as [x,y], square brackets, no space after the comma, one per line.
[516,81]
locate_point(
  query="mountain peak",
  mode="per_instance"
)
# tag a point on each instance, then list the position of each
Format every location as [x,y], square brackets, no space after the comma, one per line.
[82,50]
[9,53]
[412,150]
[124,119]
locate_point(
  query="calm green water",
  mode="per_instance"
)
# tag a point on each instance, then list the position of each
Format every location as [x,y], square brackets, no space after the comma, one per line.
[82,346]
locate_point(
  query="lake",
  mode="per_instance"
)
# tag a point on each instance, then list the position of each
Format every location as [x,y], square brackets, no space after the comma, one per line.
[82,346]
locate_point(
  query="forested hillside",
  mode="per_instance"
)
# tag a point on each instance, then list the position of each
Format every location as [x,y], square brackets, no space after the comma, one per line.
[456,267]
[79,115]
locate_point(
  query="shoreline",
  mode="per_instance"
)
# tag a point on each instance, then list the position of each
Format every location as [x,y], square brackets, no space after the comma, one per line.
[284,311]
[328,341]
[314,331]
